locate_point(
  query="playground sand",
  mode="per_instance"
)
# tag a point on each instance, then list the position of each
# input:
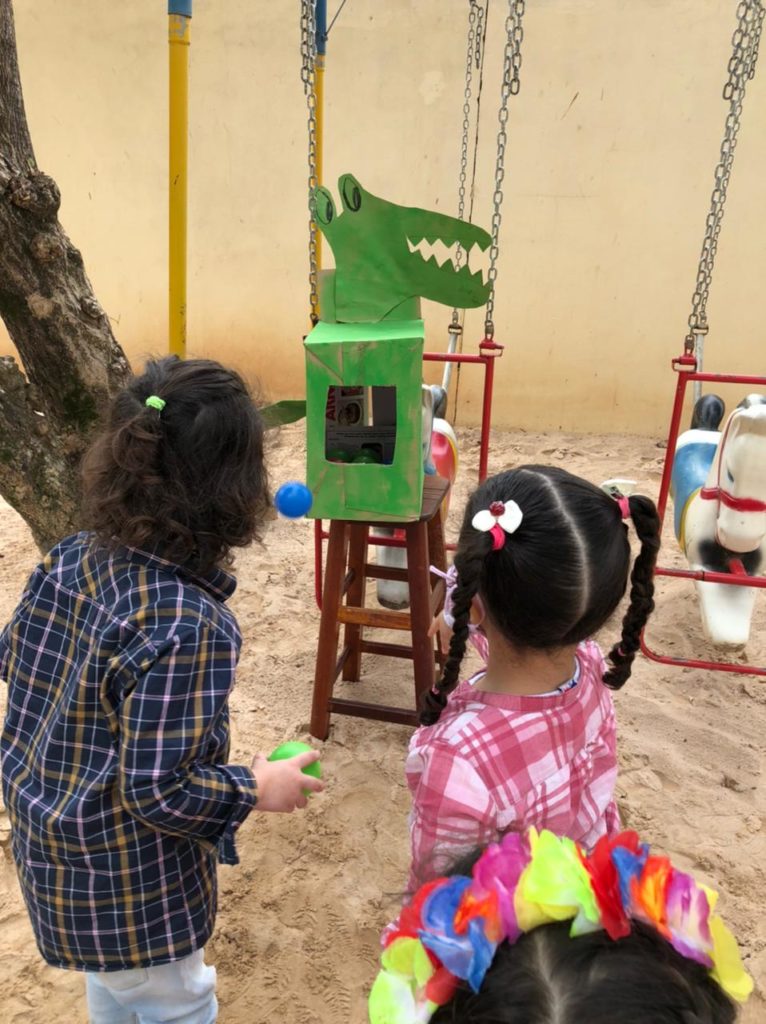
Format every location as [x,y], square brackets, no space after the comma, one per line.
[297,933]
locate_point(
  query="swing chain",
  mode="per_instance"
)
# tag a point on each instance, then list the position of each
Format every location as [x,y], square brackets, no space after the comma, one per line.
[479,31]
[308,77]
[741,68]
[514,34]
[473,53]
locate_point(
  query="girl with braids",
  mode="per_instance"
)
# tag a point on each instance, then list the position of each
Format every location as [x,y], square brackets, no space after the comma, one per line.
[119,661]
[543,559]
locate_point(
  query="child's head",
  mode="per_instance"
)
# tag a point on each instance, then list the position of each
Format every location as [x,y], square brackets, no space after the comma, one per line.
[534,930]
[555,579]
[182,474]
[548,976]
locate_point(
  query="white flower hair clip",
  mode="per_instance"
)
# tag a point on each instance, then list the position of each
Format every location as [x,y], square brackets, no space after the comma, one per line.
[501,518]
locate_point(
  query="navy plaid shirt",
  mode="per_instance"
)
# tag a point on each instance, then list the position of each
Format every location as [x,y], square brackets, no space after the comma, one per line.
[119,668]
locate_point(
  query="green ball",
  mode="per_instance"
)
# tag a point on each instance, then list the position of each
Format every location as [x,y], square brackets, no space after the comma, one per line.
[366,458]
[338,455]
[292,749]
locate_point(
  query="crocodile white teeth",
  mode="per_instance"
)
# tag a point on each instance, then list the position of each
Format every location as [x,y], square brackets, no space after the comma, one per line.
[436,253]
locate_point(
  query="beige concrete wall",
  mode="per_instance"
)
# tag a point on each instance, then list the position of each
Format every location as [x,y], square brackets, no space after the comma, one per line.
[612,146]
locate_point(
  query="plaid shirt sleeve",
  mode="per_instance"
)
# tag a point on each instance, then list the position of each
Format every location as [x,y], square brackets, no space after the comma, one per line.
[166,726]
[4,654]
[452,810]
[5,634]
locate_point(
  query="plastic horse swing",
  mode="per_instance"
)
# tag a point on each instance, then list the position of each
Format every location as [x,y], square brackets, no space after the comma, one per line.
[717,478]
[719,493]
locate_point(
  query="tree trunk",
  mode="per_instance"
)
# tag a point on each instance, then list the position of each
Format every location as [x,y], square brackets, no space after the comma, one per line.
[71,361]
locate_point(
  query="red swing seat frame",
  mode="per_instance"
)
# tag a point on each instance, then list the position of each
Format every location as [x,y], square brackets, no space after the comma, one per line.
[686,368]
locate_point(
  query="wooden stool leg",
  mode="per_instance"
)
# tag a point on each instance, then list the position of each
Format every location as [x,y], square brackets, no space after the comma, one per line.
[418,576]
[352,636]
[437,552]
[327,648]
[437,556]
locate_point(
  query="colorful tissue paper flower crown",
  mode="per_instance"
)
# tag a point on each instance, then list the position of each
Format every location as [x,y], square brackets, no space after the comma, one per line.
[449,932]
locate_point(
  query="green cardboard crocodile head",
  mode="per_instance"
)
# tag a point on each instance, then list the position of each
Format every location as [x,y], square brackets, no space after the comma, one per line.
[378,263]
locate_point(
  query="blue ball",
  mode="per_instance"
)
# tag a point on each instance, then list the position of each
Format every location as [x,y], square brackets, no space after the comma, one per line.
[293,499]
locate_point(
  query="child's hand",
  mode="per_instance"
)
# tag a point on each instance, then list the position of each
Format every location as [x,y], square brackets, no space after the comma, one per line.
[281,784]
[440,627]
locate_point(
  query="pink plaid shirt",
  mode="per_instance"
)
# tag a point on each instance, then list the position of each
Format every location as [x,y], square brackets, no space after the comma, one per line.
[497,762]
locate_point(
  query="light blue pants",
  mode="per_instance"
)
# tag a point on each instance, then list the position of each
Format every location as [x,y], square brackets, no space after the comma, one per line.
[182,992]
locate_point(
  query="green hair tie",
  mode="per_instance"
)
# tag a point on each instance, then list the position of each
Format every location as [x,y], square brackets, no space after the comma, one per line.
[155,402]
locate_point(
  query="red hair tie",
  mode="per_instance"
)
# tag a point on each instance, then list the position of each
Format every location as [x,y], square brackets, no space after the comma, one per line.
[501,518]
[498,537]
[624,504]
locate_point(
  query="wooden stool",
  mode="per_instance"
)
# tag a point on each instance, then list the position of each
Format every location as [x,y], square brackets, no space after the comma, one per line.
[346,574]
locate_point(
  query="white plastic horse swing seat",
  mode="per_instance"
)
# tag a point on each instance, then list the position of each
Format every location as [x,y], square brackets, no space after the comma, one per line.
[719,492]
[720,510]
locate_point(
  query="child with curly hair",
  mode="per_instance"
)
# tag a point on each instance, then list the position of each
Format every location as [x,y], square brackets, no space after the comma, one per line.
[120,660]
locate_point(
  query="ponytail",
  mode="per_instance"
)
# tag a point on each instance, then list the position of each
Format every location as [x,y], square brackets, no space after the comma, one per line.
[646,520]
[469,567]
[135,445]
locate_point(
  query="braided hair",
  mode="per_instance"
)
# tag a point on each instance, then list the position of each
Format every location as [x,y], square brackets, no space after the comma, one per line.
[558,578]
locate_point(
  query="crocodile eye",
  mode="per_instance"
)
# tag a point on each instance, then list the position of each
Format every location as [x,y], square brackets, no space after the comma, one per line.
[351,193]
[324,207]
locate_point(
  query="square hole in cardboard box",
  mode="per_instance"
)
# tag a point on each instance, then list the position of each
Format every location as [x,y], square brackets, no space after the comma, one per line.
[360,424]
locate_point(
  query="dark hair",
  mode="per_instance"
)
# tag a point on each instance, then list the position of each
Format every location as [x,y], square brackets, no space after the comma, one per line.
[559,577]
[547,976]
[187,481]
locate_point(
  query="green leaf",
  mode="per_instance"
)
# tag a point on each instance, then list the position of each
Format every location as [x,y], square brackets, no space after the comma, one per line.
[289,411]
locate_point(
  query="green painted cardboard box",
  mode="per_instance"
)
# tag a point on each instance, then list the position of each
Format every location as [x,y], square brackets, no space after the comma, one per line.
[363,401]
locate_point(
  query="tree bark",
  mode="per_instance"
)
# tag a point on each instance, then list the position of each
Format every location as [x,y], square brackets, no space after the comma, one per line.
[71,362]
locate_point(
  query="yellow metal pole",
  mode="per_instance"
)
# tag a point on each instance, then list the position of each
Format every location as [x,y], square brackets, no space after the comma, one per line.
[179,38]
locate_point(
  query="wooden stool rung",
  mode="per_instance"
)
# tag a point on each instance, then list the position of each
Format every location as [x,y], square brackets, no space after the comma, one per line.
[378,618]
[378,712]
[384,572]
[384,649]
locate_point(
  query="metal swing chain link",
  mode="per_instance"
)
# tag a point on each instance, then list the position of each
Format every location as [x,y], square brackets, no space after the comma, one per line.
[473,53]
[741,68]
[514,34]
[308,77]
[479,31]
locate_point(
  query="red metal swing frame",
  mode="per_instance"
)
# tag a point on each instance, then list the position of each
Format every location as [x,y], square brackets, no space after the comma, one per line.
[489,351]
[686,368]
